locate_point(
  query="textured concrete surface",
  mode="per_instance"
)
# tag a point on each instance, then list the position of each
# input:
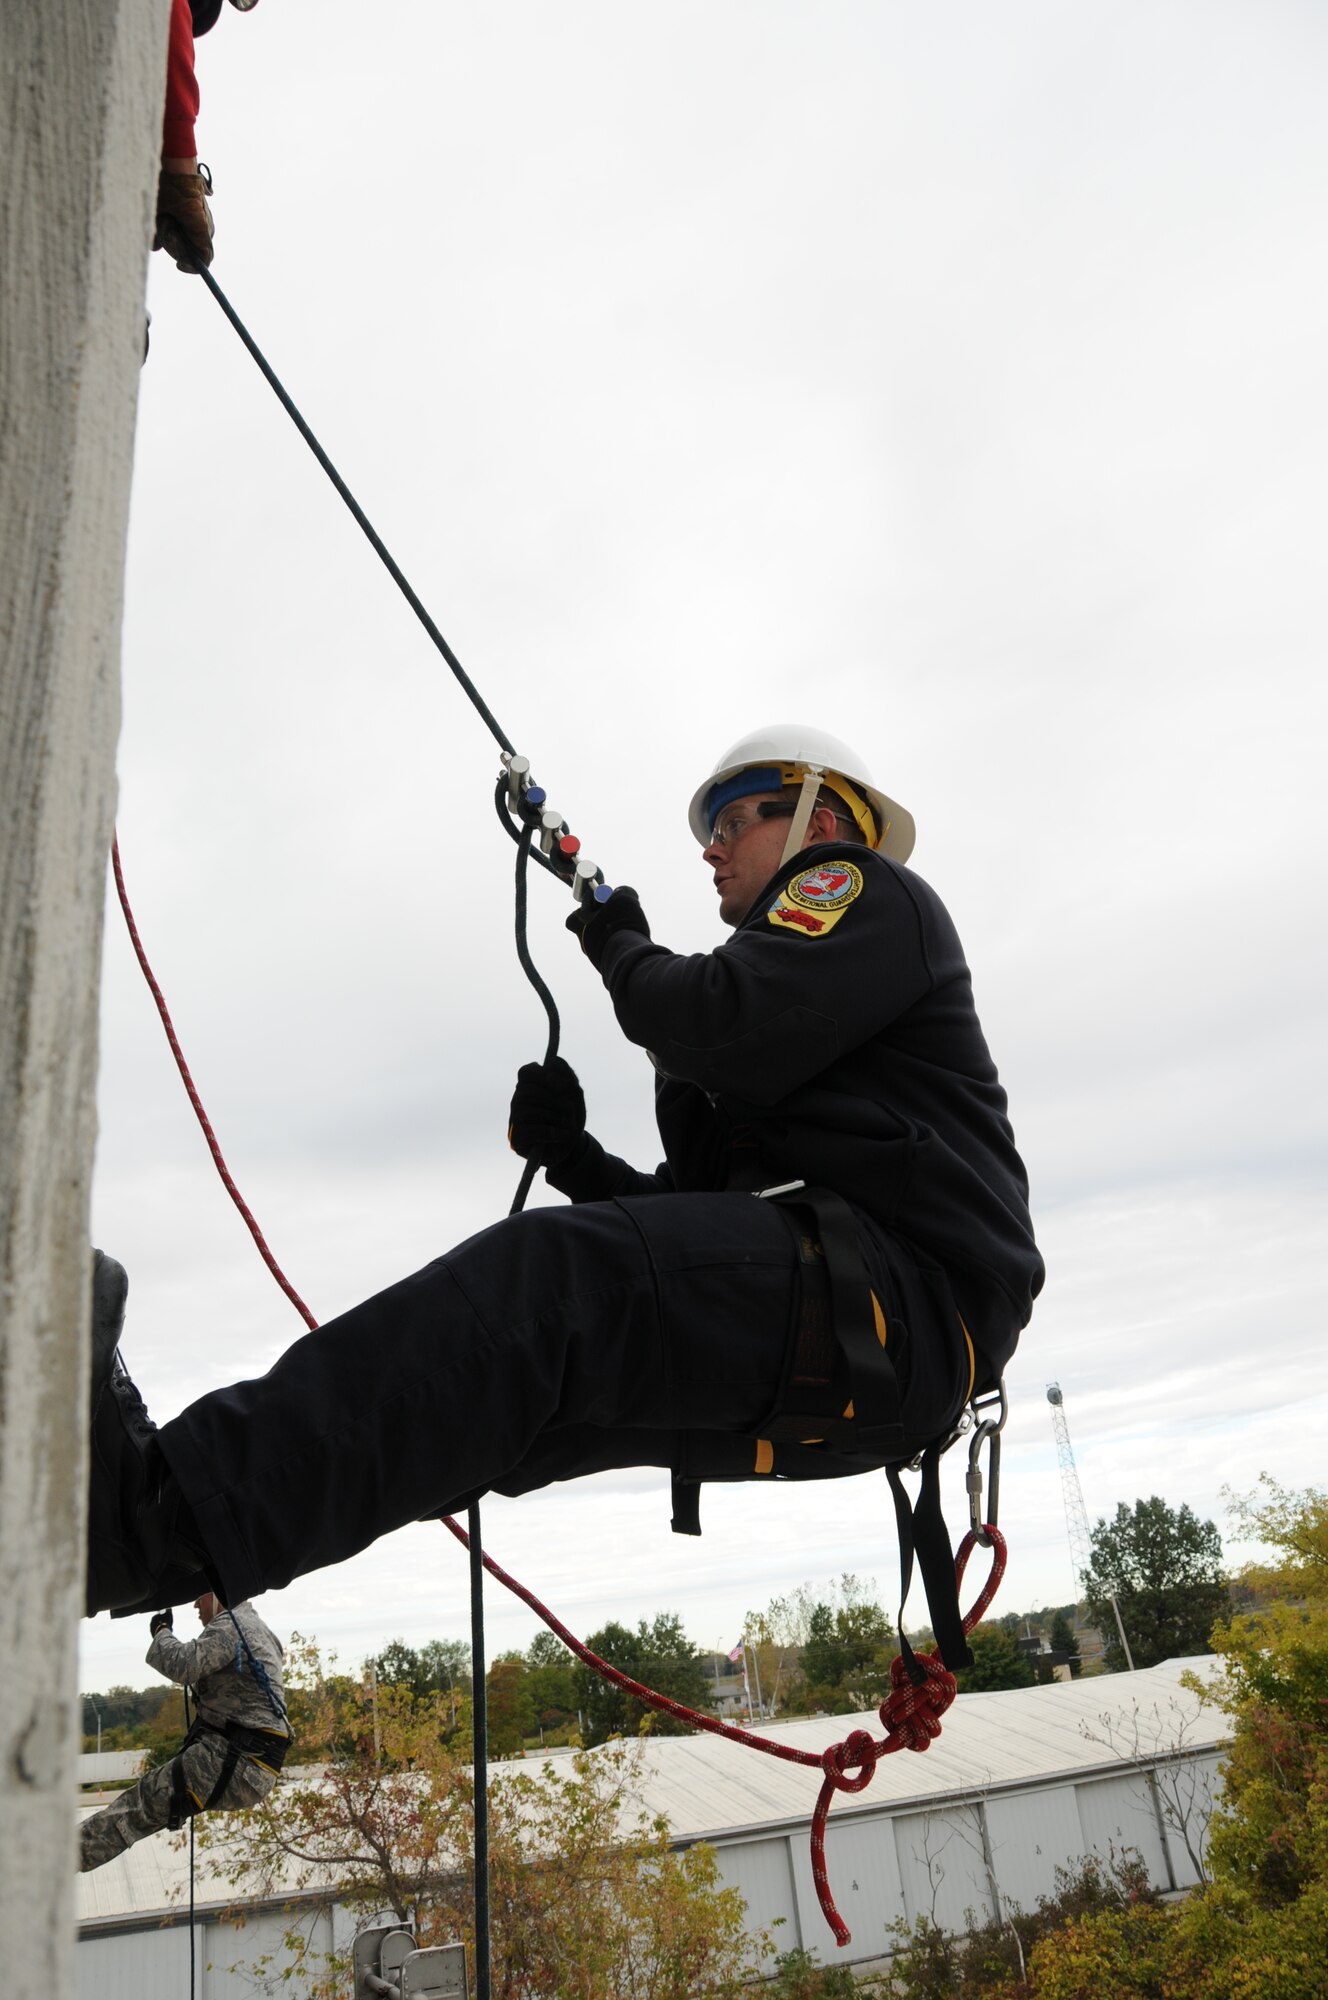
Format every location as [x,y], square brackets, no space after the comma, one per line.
[81,87]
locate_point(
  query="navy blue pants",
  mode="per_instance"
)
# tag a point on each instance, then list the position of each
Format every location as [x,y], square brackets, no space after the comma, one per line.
[559,1342]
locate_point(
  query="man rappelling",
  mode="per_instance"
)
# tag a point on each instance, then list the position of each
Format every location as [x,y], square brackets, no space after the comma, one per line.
[827,1056]
[237,1741]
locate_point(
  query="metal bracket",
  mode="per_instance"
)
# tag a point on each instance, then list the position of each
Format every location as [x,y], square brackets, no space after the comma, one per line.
[436,1974]
[387,1966]
[375,1954]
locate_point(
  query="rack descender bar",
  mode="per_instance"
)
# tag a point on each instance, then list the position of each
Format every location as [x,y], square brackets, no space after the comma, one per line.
[556,840]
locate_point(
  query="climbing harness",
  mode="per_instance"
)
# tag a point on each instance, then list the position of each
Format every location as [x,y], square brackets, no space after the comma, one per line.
[259,1673]
[264,1746]
[922,1685]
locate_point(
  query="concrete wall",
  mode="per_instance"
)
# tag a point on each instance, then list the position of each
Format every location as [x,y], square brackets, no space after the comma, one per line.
[81,88]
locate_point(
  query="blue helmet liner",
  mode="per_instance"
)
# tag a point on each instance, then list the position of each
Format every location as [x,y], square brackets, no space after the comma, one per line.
[764,778]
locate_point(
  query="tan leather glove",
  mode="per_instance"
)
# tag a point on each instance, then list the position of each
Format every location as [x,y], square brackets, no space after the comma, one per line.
[184,220]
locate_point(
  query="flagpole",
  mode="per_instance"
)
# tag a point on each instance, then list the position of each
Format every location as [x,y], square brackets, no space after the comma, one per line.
[756,1662]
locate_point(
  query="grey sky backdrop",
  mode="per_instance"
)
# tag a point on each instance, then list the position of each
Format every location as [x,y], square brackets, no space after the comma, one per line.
[951,377]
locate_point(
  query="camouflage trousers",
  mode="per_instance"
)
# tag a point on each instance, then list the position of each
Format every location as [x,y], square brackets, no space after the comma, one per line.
[146,1806]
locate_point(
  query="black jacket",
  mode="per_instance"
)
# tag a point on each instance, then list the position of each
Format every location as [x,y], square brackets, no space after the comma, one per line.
[833,1039]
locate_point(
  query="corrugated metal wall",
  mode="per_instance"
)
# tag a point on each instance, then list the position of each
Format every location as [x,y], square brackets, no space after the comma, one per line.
[949,1862]
[942,1867]
[132,1965]
[763,1871]
[1031,1834]
[1119,1813]
[154,1965]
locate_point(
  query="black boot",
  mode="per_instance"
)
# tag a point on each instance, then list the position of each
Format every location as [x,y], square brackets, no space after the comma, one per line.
[142,1545]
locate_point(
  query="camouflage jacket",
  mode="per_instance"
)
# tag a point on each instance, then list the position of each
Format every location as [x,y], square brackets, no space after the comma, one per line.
[219,1666]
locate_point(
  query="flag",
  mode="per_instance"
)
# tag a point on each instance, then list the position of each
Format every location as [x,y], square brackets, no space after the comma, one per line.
[736,1654]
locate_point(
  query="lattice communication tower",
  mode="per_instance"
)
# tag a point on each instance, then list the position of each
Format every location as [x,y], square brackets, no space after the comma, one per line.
[1076,1518]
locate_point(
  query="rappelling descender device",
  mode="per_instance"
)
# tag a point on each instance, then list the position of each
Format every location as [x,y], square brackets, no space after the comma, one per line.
[522,803]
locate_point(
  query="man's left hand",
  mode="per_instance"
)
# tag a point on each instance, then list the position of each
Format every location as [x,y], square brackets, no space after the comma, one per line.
[161,1619]
[594,923]
[184,220]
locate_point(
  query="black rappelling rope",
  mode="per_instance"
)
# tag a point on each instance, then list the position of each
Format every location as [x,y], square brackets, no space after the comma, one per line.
[193,1954]
[525,849]
[480,1746]
[525,852]
[380,547]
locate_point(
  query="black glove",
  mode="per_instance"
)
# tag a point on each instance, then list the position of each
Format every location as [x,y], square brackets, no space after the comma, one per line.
[548,1116]
[162,1619]
[594,923]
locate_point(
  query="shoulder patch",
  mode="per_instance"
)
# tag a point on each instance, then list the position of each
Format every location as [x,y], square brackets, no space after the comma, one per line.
[814,901]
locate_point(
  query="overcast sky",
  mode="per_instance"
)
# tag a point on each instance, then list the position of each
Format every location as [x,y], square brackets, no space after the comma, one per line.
[951,378]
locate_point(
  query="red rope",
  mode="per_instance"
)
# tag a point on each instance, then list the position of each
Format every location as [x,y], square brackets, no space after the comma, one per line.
[197,1101]
[911,1715]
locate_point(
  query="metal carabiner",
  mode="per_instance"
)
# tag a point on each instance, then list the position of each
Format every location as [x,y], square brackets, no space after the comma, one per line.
[986,1430]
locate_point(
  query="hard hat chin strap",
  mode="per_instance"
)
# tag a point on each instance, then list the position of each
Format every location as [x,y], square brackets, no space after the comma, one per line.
[811,785]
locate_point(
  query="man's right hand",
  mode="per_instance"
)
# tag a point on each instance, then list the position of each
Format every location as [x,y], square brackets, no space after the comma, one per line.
[548,1116]
[160,1619]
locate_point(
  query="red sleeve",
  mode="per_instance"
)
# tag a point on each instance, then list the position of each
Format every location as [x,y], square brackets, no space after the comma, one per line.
[177,136]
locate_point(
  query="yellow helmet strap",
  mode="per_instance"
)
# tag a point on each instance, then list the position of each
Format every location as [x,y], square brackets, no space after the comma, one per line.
[859,811]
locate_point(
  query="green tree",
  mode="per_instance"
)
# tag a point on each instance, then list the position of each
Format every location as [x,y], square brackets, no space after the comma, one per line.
[662,1657]
[440,1666]
[551,1672]
[1063,1640]
[1164,1567]
[511,1709]
[446,1663]
[848,1649]
[400,1666]
[149,1719]
[797,1976]
[997,1663]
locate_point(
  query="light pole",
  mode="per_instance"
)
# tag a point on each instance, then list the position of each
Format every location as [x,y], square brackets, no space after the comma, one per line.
[1120,1627]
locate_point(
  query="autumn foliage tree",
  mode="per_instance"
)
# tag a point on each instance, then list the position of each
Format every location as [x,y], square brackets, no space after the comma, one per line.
[588,1900]
[1271,1836]
[1256,1930]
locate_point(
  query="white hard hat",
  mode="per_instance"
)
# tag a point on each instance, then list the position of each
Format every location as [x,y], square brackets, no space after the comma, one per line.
[787,751]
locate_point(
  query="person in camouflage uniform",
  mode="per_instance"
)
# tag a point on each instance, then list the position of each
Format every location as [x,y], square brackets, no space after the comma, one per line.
[238,1741]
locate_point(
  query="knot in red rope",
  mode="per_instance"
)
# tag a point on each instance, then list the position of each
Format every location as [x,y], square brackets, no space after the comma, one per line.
[859,1750]
[912,1715]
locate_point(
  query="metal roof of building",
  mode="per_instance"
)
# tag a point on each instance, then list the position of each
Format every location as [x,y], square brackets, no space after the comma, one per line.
[709,1787]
